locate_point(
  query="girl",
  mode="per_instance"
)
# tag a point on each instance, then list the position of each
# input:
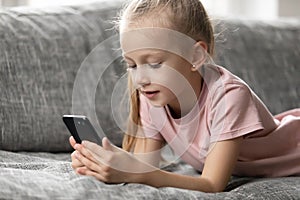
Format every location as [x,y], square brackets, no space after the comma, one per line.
[179,97]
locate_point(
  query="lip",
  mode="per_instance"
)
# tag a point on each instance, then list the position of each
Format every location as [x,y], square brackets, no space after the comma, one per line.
[150,94]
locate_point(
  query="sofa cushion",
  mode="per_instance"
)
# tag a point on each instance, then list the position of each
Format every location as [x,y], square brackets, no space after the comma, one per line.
[41,53]
[266,55]
[44,53]
[50,176]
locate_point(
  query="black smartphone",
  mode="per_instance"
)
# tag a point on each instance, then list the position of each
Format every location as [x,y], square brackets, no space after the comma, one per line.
[81,129]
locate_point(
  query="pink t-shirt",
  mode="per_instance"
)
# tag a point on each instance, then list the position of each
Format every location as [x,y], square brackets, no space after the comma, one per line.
[227,108]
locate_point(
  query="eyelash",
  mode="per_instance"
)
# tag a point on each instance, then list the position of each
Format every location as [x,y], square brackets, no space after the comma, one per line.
[131,66]
[152,65]
[155,65]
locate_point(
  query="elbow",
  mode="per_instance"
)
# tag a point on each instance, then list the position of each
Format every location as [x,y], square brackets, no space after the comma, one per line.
[216,190]
[214,187]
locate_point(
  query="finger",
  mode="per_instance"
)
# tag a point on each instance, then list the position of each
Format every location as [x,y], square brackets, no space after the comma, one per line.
[81,151]
[81,170]
[73,155]
[72,141]
[97,150]
[88,172]
[88,163]
[107,145]
[75,162]
[85,153]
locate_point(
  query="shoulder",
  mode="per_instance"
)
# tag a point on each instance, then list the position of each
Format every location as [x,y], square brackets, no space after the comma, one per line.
[216,77]
[223,85]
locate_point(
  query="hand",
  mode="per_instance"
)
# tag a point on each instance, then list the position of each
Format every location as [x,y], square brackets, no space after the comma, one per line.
[75,162]
[109,163]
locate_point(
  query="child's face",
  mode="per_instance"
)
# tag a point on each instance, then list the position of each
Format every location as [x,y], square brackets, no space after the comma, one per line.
[159,75]
[159,61]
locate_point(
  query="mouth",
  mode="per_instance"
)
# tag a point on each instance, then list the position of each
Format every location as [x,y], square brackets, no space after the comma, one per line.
[150,94]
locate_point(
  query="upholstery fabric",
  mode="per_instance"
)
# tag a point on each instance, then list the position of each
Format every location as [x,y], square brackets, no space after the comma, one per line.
[49,176]
[266,55]
[43,52]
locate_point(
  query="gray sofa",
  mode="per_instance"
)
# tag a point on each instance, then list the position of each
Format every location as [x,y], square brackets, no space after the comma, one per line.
[42,52]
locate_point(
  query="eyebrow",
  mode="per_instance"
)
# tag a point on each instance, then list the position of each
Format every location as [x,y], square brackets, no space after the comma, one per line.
[145,55]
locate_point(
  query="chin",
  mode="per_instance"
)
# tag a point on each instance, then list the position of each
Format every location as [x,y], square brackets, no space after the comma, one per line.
[157,104]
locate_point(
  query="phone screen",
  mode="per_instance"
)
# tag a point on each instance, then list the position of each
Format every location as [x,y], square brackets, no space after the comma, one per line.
[81,129]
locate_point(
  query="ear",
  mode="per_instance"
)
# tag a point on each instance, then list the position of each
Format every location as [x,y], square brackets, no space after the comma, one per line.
[199,55]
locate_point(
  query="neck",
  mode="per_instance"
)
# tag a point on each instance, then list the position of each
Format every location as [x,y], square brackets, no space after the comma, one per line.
[188,98]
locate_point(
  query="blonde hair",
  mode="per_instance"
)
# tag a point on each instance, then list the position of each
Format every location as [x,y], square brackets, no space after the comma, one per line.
[186,16]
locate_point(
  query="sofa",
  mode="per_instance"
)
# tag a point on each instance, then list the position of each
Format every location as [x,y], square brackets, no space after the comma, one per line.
[46,59]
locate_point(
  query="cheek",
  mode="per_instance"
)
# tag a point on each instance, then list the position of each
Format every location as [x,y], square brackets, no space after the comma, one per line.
[168,77]
[168,93]
[171,79]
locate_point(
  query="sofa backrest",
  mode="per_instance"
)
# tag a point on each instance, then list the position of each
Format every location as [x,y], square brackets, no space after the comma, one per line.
[42,50]
[266,55]
[45,52]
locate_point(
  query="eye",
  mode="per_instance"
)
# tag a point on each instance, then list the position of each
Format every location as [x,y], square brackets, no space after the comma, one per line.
[130,67]
[155,65]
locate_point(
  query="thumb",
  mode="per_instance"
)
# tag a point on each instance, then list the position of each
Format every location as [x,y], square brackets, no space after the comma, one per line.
[107,145]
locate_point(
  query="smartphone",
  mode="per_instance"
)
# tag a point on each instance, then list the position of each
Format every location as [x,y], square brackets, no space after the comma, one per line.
[81,129]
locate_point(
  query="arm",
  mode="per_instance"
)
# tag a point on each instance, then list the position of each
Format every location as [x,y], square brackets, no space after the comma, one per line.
[148,150]
[101,165]
[111,164]
[295,112]
[215,176]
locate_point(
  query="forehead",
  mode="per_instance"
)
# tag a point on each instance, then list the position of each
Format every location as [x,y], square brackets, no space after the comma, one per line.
[155,38]
[145,54]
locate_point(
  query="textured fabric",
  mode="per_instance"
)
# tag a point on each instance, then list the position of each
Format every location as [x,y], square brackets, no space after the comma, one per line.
[50,176]
[227,108]
[277,154]
[266,55]
[42,49]
[41,52]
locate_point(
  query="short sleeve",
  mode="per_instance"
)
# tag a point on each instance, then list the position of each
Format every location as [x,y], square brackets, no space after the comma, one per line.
[233,112]
[148,124]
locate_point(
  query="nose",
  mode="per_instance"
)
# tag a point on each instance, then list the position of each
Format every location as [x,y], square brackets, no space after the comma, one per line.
[141,76]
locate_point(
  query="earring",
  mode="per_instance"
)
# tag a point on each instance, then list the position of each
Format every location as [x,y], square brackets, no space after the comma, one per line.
[194,67]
